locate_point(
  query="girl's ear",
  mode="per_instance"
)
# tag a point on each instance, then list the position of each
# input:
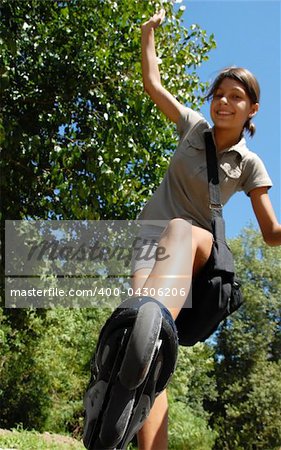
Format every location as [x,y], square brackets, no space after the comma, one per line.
[254,110]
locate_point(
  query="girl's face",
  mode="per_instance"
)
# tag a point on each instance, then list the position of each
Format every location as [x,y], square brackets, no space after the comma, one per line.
[231,106]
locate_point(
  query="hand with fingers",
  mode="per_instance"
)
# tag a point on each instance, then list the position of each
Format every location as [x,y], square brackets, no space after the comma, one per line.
[156,20]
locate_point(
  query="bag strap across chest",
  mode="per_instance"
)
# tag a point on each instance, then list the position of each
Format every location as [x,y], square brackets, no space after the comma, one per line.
[215,204]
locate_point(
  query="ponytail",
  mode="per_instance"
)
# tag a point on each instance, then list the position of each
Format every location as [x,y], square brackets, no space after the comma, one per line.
[250,127]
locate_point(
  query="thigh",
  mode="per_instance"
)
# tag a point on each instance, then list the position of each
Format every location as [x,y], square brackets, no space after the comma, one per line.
[202,241]
[139,278]
[143,255]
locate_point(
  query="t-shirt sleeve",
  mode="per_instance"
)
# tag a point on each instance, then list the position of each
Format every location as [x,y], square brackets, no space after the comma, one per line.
[254,174]
[187,121]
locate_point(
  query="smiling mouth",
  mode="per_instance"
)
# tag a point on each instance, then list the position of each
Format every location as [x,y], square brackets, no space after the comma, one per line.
[224,113]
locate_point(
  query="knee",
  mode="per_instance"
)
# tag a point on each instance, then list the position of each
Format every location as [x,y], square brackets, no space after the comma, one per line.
[201,237]
[202,241]
[178,230]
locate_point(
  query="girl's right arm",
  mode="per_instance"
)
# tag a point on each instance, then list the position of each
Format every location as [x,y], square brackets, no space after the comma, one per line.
[165,101]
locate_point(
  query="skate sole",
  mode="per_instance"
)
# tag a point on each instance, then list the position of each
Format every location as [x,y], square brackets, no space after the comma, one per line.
[114,404]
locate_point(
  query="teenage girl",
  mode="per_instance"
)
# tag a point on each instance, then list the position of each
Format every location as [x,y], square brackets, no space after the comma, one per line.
[182,197]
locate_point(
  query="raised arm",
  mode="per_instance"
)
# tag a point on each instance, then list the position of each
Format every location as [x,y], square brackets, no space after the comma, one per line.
[165,101]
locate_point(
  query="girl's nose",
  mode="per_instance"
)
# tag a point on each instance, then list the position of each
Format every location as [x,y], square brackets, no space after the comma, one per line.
[223,99]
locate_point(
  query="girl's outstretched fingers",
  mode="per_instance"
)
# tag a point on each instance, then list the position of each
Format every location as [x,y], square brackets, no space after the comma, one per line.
[156,20]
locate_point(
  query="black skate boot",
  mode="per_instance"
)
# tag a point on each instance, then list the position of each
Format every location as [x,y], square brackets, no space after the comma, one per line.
[134,361]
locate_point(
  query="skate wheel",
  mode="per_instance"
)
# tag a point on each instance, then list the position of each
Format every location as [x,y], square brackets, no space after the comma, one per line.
[117,415]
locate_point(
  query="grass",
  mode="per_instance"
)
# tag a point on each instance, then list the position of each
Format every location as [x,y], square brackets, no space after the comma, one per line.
[31,440]
[20,439]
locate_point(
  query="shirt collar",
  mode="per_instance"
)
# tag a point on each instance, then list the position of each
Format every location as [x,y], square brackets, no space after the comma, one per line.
[240,147]
[197,140]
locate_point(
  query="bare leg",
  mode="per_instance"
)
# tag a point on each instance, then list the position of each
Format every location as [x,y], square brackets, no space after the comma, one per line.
[154,433]
[189,248]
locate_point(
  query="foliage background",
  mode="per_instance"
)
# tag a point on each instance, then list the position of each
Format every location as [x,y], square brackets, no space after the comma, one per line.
[80,140]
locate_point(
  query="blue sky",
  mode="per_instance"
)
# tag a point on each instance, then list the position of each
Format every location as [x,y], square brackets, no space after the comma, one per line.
[247,33]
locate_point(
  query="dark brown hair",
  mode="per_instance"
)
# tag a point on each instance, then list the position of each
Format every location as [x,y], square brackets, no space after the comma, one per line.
[249,82]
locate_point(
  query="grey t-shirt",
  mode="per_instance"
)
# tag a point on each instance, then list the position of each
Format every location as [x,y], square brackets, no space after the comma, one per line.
[183,191]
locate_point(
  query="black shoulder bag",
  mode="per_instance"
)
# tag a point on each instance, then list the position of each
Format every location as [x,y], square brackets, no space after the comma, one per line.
[215,291]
